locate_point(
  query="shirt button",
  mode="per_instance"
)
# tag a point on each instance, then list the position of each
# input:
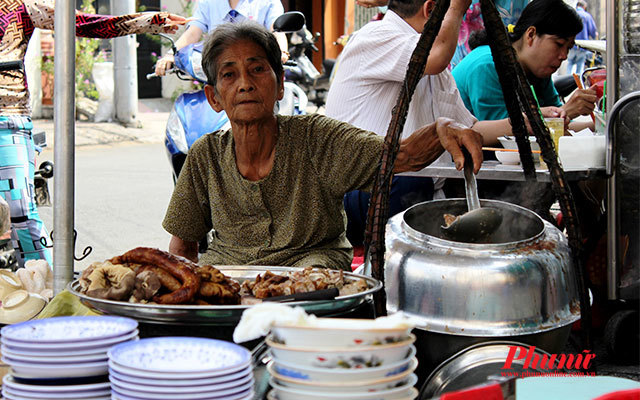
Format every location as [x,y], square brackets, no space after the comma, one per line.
[265,214]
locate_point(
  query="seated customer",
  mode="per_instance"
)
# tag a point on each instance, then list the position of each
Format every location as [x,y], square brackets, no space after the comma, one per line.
[271,187]
[541,39]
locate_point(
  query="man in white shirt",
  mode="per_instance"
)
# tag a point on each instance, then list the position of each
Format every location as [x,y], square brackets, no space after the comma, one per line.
[368,80]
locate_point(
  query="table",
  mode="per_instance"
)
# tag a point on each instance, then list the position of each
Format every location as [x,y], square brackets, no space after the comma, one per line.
[494,170]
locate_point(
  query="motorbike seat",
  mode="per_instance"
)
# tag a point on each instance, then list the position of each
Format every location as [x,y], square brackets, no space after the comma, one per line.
[565,85]
[327,66]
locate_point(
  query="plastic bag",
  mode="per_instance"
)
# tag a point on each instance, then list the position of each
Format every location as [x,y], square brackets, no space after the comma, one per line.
[103,78]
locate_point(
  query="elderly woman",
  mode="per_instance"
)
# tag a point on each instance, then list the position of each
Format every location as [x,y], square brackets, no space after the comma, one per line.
[271,187]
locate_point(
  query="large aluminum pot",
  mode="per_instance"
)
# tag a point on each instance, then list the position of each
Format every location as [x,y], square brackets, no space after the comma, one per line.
[518,285]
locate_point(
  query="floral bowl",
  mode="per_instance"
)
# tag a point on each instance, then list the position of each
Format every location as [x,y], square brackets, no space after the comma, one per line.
[374,385]
[405,379]
[342,375]
[403,392]
[344,357]
[341,332]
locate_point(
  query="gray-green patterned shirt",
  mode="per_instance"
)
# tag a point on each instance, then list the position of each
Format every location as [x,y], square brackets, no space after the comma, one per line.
[293,216]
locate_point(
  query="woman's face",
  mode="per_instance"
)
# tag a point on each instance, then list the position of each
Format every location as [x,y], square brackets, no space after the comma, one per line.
[543,54]
[246,88]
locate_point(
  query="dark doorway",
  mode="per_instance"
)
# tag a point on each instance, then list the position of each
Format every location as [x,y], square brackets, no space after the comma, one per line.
[148,88]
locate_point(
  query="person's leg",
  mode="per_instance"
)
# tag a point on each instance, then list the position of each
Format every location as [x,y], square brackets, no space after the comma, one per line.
[581,59]
[17,166]
[571,59]
[405,192]
[356,205]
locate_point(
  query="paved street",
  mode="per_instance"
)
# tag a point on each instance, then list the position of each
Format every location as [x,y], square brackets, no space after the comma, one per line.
[123,184]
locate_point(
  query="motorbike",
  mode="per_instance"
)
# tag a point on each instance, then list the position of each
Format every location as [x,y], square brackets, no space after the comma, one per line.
[305,74]
[41,176]
[191,115]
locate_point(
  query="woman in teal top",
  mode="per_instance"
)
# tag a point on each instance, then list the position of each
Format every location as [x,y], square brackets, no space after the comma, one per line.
[541,38]
[480,88]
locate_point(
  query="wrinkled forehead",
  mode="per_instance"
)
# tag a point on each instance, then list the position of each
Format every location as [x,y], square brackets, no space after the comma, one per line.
[241,50]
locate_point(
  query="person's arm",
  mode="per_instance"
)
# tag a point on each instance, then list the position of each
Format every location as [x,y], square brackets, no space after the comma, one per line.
[371,3]
[188,250]
[492,130]
[105,26]
[445,43]
[426,144]
[284,45]
[191,35]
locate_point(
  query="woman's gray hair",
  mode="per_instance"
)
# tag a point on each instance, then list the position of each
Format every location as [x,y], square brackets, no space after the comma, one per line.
[226,35]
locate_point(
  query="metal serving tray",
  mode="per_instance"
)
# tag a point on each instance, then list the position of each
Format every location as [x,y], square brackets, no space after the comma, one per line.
[223,315]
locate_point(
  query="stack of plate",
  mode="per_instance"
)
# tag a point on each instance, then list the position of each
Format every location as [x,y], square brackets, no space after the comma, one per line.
[342,359]
[61,358]
[180,368]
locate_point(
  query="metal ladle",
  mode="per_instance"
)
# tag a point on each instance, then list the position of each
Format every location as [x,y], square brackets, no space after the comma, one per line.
[478,223]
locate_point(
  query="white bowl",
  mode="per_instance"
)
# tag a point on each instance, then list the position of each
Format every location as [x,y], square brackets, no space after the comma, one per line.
[9,282]
[339,332]
[346,357]
[411,395]
[288,393]
[510,143]
[376,385]
[313,374]
[508,157]
[19,306]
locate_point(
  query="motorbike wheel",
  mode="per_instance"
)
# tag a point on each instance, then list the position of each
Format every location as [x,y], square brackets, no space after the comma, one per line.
[43,198]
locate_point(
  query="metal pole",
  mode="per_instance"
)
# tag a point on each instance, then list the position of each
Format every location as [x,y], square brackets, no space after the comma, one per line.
[64,141]
[613,49]
[125,72]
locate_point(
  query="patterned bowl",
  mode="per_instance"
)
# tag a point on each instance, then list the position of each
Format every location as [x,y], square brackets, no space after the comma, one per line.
[405,379]
[341,332]
[338,375]
[345,357]
[288,393]
[345,386]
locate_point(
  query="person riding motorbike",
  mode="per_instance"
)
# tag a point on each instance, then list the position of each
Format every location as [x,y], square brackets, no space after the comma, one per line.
[211,13]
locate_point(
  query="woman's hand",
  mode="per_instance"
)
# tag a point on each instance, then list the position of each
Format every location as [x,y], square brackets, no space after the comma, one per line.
[555,112]
[426,144]
[164,64]
[582,102]
[371,3]
[454,136]
[173,22]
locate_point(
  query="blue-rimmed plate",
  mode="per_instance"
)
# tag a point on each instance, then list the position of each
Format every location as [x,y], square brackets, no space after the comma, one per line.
[68,329]
[10,382]
[182,383]
[63,348]
[180,355]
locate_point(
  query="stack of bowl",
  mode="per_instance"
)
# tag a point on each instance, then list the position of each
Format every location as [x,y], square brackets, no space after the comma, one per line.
[63,357]
[184,368]
[342,359]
